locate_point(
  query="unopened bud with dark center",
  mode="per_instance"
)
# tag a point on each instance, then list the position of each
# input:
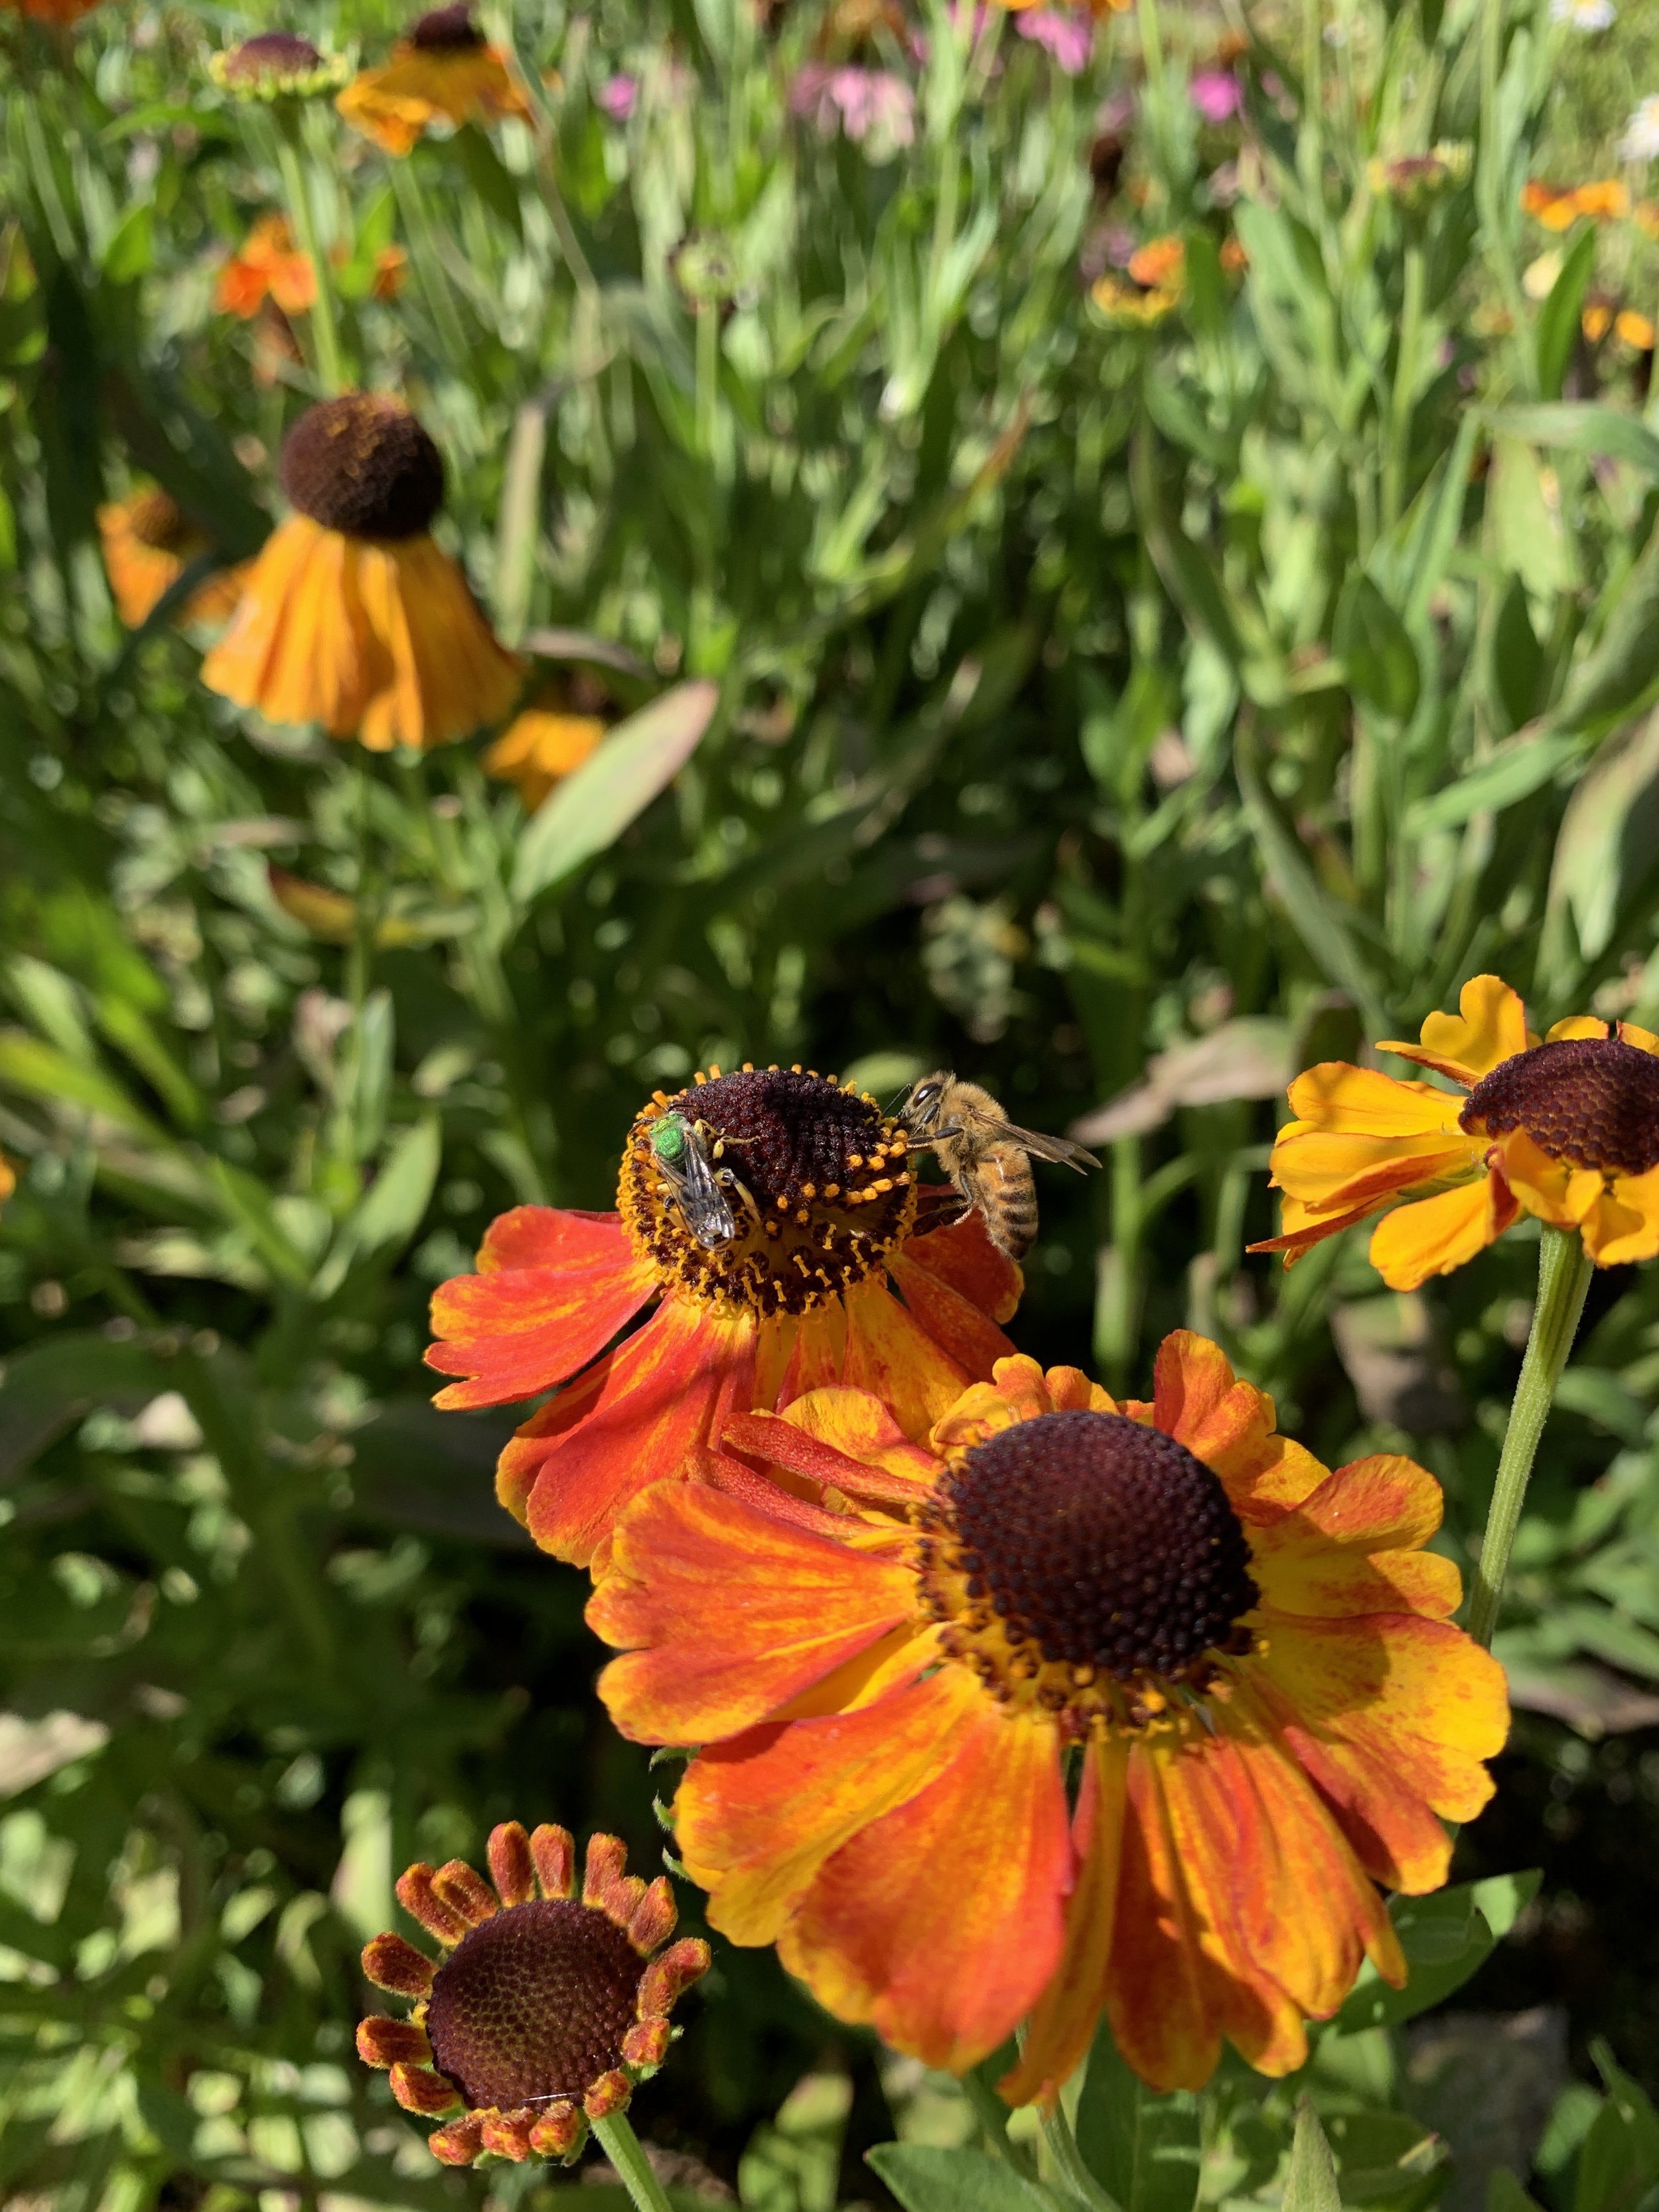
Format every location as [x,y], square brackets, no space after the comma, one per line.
[362,465]
[1590,1102]
[276,65]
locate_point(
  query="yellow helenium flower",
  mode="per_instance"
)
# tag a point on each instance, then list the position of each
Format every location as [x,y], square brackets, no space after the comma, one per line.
[352,616]
[444,71]
[1563,1128]
[544,743]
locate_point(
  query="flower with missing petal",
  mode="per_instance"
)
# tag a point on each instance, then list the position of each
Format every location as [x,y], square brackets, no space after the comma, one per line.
[823,1211]
[547,2008]
[444,72]
[148,543]
[892,1666]
[1563,1128]
[352,616]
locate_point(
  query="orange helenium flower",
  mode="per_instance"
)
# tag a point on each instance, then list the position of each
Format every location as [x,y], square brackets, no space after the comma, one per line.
[1557,207]
[443,71]
[148,543]
[1565,1128]
[824,1210]
[267,263]
[352,616]
[50,11]
[7,1179]
[547,2009]
[1255,1655]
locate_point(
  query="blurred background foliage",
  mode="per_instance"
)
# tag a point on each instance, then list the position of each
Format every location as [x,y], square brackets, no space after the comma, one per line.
[1124,688]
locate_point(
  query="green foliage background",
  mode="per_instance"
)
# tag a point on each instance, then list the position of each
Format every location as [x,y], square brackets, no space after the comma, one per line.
[1087,709]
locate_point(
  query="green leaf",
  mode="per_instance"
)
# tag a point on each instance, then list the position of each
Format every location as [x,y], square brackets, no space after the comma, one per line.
[613,787]
[1624,658]
[1608,837]
[1445,1938]
[1505,2194]
[925,2178]
[1378,651]
[43,1071]
[1506,777]
[1144,2148]
[1558,321]
[131,252]
[393,1206]
[48,1387]
[1524,524]
[1311,2176]
[1618,2163]
[1581,427]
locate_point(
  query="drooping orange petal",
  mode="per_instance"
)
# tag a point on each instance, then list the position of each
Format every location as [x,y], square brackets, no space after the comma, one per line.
[800,1352]
[521,1458]
[962,1255]
[725,1614]
[1434,1235]
[667,1387]
[1062,2022]
[1490,1026]
[513,1330]
[967,1334]
[1625,1225]
[736,1478]
[1307,1912]
[1230,1426]
[944,1966]
[1419,1695]
[1156,1998]
[1333,1172]
[1304,1228]
[889,1354]
[1551,1189]
[756,1818]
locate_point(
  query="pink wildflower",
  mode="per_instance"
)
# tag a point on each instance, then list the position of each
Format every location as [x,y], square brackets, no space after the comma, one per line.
[618,97]
[1215,93]
[1067,33]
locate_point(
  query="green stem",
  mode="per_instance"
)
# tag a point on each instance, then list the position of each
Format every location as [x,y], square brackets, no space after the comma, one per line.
[325,334]
[1563,1273]
[625,2152]
[993,2116]
[432,276]
[1405,387]
[709,364]
[1062,2145]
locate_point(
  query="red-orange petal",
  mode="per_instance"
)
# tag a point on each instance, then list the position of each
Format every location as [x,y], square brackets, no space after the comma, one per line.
[941,1923]
[554,1850]
[415,1893]
[1353,1546]
[459,2144]
[1062,2023]
[1155,1997]
[1230,1426]
[891,1355]
[962,1255]
[725,1614]
[781,1441]
[756,1818]
[512,1868]
[513,1330]
[967,1333]
[661,1395]
[393,1964]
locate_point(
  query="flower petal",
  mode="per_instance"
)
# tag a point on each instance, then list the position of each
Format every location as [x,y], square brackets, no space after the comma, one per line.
[1553,1190]
[1353,1546]
[1418,1695]
[1576,1025]
[858,1424]
[889,1354]
[1062,2023]
[666,1389]
[756,1818]
[1434,1235]
[966,1333]
[1342,1099]
[1332,1171]
[1230,1426]
[725,1612]
[1489,1026]
[963,1256]
[778,1440]
[944,1967]
[515,1328]
[1625,1224]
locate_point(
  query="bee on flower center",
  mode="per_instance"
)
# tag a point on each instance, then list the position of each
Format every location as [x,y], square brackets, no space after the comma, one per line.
[773,1189]
[986,1156]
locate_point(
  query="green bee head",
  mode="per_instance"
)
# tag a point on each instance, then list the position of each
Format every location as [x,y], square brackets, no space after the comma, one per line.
[668,1139]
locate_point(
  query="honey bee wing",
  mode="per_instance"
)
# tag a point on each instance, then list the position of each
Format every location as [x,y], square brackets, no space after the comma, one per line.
[1059,1148]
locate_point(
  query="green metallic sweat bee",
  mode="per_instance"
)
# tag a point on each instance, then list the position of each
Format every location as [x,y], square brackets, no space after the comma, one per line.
[682,1153]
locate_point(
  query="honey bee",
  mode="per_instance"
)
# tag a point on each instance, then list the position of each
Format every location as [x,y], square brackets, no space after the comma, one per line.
[986,1156]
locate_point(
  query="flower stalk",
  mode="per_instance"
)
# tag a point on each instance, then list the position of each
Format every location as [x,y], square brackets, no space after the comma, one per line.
[324,334]
[1563,1273]
[627,2154]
